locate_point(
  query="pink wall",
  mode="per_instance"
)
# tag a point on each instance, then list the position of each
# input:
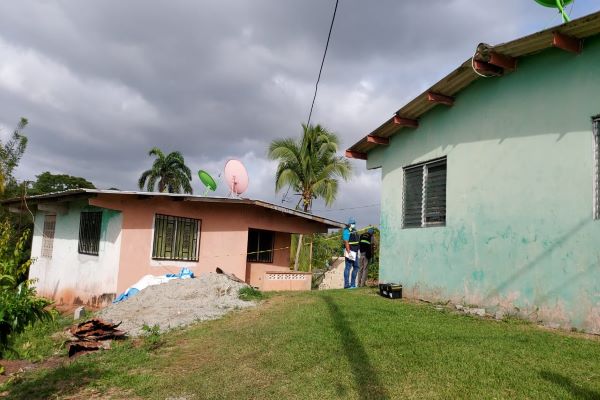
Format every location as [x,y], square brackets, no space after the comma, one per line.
[223,235]
[281,261]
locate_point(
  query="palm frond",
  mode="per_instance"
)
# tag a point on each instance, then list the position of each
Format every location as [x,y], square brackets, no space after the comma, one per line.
[143,177]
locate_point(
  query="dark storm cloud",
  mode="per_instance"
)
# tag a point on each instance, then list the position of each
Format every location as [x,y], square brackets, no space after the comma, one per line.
[104,81]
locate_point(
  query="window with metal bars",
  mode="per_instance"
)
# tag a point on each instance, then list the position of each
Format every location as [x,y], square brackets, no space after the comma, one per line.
[260,246]
[596,131]
[175,238]
[424,194]
[90,223]
[48,235]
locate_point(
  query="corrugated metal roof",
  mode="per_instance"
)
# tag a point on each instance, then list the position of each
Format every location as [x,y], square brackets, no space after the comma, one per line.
[86,193]
[464,75]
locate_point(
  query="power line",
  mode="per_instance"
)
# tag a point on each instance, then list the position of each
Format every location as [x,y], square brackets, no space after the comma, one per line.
[347,208]
[322,62]
[284,198]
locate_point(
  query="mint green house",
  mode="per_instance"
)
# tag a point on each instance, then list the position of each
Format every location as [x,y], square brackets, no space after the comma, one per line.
[490,181]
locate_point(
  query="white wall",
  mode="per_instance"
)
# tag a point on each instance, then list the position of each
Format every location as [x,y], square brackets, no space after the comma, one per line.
[69,277]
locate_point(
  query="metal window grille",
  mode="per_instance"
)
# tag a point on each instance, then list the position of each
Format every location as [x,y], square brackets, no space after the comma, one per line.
[260,246]
[596,130]
[48,235]
[175,238]
[424,194]
[90,224]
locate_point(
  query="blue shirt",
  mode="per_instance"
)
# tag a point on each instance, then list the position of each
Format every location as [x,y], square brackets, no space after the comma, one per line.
[346,234]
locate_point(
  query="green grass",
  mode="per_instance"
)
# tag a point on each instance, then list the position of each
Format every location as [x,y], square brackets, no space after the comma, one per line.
[37,342]
[336,344]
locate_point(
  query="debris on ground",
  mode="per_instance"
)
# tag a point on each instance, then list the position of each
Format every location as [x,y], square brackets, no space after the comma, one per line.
[230,276]
[178,303]
[79,313]
[92,335]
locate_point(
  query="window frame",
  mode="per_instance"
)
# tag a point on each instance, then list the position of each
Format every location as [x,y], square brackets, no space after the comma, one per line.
[422,196]
[596,159]
[254,255]
[92,248]
[47,238]
[161,222]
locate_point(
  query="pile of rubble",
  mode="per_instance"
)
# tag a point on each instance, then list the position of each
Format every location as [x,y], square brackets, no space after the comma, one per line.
[177,303]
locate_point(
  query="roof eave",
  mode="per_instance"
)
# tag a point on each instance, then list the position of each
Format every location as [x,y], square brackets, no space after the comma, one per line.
[568,37]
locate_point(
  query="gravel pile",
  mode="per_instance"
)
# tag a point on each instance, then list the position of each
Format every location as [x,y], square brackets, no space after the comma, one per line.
[179,302]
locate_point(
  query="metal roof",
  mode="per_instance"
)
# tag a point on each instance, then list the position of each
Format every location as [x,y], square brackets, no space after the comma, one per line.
[73,194]
[563,36]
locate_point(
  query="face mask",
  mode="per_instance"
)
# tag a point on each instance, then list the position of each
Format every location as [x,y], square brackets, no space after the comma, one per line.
[352,226]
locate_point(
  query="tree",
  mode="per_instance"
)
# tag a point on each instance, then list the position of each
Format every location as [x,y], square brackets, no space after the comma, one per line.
[47,182]
[310,167]
[172,174]
[11,153]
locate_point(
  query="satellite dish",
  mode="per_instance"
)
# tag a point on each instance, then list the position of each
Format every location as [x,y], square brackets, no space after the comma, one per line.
[207,181]
[236,177]
[559,4]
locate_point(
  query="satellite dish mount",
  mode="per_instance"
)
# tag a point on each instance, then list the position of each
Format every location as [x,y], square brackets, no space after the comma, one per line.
[558,4]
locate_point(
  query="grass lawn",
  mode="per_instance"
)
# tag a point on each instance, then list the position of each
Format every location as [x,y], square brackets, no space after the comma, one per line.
[335,344]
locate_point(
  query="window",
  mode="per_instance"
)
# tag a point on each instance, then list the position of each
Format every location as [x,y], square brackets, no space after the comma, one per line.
[424,195]
[260,246]
[90,223]
[175,238]
[596,130]
[48,235]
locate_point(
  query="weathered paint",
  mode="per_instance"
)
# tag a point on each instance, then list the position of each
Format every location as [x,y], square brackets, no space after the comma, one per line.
[69,277]
[223,236]
[519,231]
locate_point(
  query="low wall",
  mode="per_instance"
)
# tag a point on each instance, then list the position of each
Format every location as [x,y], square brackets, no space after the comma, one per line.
[278,280]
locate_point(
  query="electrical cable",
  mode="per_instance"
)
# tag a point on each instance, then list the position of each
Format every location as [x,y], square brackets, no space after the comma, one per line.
[284,198]
[473,66]
[347,208]
[322,62]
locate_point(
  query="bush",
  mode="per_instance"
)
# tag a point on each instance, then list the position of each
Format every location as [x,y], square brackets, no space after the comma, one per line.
[152,338]
[19,305]
[248,293]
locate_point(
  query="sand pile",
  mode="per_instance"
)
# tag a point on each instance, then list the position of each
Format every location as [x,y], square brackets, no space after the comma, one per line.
[179,302]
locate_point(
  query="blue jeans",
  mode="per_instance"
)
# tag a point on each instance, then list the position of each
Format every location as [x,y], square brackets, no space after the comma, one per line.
[354,266]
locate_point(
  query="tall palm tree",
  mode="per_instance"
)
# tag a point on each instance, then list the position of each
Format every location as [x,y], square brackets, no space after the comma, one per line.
[310,167]
[170,171]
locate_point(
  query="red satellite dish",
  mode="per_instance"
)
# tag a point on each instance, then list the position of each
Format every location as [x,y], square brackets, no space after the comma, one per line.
[236,177]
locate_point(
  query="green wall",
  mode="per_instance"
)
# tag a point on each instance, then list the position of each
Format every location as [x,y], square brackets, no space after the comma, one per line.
[519,233]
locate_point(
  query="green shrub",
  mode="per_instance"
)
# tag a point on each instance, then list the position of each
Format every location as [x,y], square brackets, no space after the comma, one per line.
[248,293]
[19,305]
[152,338]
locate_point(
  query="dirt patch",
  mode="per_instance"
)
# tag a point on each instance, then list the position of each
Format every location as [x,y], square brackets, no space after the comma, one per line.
[14,368]
[177,303]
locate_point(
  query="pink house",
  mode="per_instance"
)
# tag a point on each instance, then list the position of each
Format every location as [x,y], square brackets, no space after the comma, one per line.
[90,245]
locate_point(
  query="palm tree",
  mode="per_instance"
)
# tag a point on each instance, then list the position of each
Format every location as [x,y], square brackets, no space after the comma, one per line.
[172,174]
[310,167]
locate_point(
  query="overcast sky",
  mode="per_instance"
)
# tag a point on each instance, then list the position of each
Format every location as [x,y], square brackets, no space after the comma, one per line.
[102,82]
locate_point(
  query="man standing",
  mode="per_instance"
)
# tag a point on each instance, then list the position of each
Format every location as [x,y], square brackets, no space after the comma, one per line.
[351,245]
[366,255]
